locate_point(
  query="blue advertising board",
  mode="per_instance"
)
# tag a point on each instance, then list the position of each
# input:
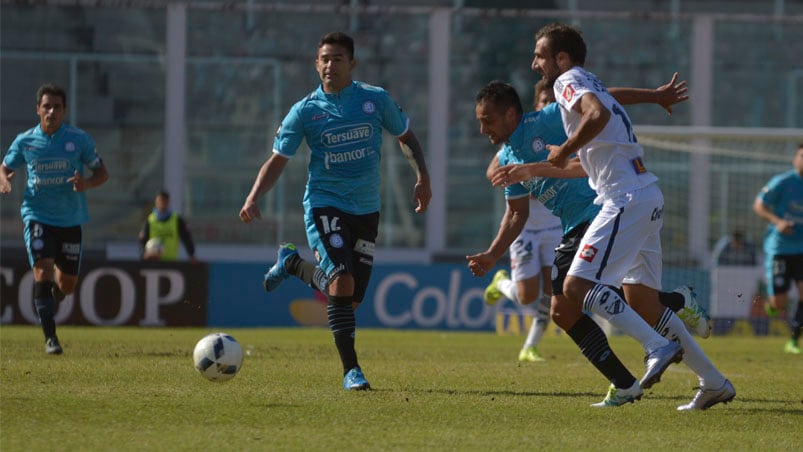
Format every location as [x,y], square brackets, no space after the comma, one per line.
[436,296]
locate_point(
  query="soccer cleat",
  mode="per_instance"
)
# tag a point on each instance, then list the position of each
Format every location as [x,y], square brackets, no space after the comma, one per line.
[492,293]
[52,346]
[530,354]
[355,380]
[693,315]
[58,295]
[791,347]
[658,360]
[618,397]
[706,398]
[278,272]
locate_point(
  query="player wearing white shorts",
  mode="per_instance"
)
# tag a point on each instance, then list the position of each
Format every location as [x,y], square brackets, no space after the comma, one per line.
[622,244]
[531,256]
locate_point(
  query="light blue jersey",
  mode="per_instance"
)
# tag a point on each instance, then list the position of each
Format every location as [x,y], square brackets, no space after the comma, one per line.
[50,161]
[783,194]
[344,134]
[571,200]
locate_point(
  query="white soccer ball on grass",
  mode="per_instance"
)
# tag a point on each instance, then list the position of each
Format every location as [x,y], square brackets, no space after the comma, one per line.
[218,357]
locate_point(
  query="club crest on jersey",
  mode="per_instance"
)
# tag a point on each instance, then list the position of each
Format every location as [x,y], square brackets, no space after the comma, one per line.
[568,92]
[69,146]
[538,144]
[587,253]
[336,240]
[368,107]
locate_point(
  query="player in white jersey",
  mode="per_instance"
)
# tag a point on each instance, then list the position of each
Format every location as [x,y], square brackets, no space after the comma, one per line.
[622,246]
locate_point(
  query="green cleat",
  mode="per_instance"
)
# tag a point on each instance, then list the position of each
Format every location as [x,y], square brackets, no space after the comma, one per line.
[530,355]
[492,293]
[618,397]
[792,347]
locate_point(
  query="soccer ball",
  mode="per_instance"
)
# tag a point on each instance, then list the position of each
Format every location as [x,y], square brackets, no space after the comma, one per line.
[153,249]
[218,357]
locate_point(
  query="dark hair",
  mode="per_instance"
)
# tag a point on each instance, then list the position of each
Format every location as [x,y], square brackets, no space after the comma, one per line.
[564,38]
[340,39]
[162,194]
[541,86]
[51,89]
[502,95]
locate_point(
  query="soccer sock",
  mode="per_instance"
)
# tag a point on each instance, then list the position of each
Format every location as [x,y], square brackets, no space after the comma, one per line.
[797,322]
[311,274]
[591,340]
[540,321]
[45,306]
[343,326]
[509,289]
[602,301]
[671,300]
[671,327]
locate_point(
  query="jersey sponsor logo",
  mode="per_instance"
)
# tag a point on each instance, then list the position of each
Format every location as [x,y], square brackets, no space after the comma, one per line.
[587,253]
[39,182]
[568,92]
[638,165]
[342,136]
[69,146]
[51,166]
[368,107]
[343,157]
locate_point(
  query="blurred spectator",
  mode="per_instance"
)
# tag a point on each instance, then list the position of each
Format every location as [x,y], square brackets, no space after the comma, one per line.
[162,232]
[735,249]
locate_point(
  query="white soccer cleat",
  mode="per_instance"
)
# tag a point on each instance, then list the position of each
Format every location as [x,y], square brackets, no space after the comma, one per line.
[706,398]
[693,315]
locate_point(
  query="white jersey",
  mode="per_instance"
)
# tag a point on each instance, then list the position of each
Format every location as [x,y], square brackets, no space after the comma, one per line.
[540,217]
[534,248]
[613,159]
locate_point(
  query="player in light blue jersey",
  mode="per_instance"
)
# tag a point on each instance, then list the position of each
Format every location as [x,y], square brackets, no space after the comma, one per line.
[342,122]
[781,204]
[622,246]
[54,205]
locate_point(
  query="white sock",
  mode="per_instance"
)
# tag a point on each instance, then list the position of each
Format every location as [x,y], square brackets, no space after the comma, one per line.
[540,322]
[606,303]
[693,356]
[509,289]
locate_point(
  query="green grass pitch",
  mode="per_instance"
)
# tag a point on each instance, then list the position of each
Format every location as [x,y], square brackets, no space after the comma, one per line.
[136,389]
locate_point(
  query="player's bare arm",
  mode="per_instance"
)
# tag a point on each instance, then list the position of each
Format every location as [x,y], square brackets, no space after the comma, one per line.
[492,169]
[594,118]
[512,224]
[414,154]
[6,174]
[783,226]
[268,175]
[513,174]
[99,177]
[666,95]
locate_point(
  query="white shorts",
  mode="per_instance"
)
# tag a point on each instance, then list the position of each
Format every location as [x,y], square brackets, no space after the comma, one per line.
[533,250]
[623,243]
